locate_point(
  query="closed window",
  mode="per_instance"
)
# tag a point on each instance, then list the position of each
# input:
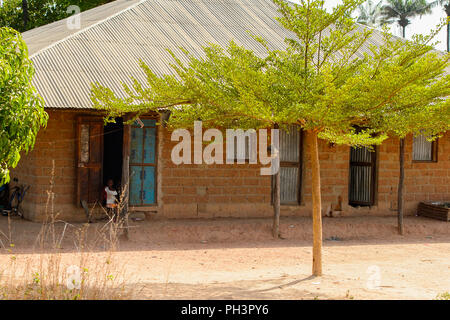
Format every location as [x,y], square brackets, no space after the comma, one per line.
[424,150]
[290,166]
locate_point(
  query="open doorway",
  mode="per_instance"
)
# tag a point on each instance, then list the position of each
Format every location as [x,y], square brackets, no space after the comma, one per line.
[112,152]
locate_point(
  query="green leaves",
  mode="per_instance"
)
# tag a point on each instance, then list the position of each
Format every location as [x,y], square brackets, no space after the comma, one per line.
[41,12]
[21,108]
[330,79]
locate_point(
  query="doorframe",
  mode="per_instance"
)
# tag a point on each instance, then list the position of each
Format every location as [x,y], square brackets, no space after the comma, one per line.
[79,120]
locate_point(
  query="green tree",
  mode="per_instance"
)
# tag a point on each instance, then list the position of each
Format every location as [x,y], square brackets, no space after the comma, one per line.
[21,108]
[422,107]
[369,13]
[11,15]
[319,84]
[401,11]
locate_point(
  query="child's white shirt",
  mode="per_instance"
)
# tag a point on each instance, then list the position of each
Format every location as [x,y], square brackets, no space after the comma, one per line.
[110,196]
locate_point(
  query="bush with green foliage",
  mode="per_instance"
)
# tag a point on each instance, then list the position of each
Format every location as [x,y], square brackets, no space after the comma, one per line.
[40,12]
[21,108]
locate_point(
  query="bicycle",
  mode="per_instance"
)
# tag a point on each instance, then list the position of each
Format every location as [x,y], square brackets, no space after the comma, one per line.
[17,195]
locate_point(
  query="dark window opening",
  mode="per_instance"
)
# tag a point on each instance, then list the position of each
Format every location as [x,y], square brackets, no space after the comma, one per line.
[112,152]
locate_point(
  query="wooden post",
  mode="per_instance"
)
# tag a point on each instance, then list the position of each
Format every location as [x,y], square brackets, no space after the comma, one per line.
[317,204]
[400,186]
[125,175]
[276,206]
[276,199]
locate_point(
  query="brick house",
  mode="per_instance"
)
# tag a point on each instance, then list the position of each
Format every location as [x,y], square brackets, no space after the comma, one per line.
[80,153]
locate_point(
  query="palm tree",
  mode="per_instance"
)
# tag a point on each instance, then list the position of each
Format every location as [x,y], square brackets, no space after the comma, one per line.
[401,11]
[370,13]
[446,5]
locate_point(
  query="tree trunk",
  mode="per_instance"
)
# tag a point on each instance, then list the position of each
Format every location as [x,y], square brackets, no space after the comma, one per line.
[276,201]
[317,204]
[403,31]
[400,186]
[25,15]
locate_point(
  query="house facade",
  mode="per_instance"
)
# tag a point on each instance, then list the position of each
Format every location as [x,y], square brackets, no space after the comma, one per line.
[76,153]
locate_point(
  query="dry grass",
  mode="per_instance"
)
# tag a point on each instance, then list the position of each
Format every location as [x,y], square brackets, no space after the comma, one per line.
[48,274]
[50,277]
[443,296]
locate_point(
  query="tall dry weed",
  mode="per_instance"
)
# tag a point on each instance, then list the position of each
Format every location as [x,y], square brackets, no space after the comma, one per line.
[89,270]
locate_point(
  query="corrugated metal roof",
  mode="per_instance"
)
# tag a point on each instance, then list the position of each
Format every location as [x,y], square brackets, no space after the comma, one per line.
[113,38]
[42,37]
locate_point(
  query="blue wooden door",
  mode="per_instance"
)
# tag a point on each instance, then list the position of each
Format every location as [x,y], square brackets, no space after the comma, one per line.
[143,164]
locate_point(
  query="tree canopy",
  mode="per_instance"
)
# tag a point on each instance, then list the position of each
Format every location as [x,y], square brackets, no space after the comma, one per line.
[330,81]
[325,80]
[21,108]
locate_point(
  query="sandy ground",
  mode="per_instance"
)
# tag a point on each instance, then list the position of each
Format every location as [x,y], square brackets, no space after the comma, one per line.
[237,259]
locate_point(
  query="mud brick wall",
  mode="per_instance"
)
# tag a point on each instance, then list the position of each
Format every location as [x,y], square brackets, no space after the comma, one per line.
[218,190]
[428,180]
[207,191]
[240,190]
[56,144]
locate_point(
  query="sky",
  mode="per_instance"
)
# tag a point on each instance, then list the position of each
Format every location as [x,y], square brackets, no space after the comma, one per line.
[418,25]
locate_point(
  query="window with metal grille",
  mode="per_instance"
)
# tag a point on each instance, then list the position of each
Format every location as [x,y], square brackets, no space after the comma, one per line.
[424,150]
[362,177]
[290,166]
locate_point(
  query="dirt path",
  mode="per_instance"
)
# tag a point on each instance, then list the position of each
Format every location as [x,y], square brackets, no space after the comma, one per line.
[416,266]
[267,271]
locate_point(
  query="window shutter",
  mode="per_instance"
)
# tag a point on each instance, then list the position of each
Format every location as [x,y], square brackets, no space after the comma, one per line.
[290,165]
[89,159]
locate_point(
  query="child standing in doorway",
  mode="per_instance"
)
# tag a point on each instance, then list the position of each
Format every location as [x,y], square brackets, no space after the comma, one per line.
[111,200]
